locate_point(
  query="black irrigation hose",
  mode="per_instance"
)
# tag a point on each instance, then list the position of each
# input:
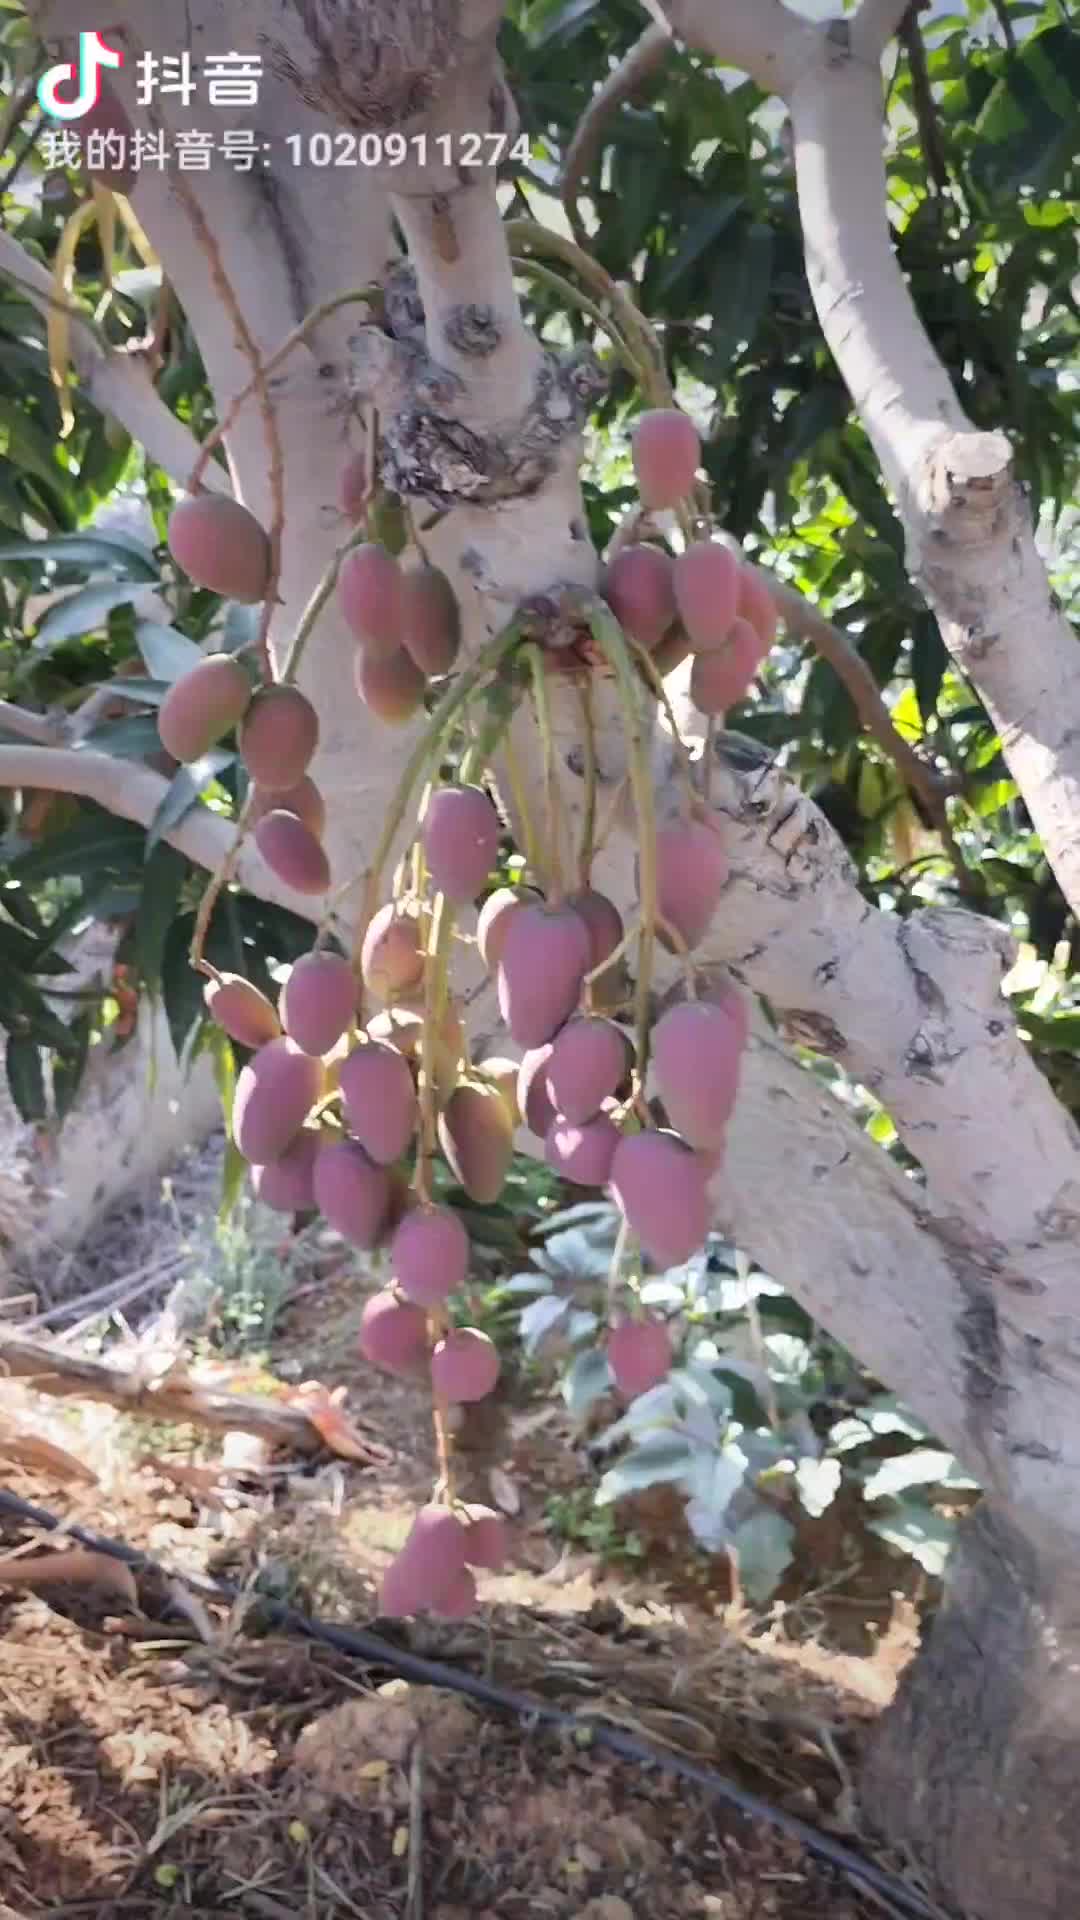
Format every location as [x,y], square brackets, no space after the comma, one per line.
[411,1666]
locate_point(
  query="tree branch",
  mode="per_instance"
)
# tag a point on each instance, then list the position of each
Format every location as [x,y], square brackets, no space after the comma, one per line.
[875,24]
[118,383]
[760,36]
[970,541]
[634,71]
[64,1375]
[134,792]
[29,726]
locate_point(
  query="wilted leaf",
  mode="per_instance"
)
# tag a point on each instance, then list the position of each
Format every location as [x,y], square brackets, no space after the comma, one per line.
[327,1414]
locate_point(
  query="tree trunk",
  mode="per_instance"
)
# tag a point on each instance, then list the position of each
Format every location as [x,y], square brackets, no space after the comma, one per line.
[975,1768]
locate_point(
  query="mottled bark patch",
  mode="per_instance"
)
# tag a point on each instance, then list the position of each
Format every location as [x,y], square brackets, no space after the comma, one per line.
[371,64]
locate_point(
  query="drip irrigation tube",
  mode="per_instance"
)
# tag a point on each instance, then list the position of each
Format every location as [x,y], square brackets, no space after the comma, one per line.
[589,1732]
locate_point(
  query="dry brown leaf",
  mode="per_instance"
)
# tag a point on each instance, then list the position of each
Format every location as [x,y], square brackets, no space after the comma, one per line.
[331,1422]
[73,1567]
[40,1456]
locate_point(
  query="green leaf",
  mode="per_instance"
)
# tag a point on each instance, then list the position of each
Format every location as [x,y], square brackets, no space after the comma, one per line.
[763,1543]
[25,1012]
[928,663]
[163,877]
[701,233]
[31,451]
[68,1068]
[132,738]
[818,1482]
[96,845]
[586,1379]
[118,551]
[920,1532]
[167,654]
[130,687]
[922,1467]
[538,1318]
[233,1175]
[739,287]
[660,1457]
[181,986]
[185,787]
[26,1078]
[81,613]
[241,627]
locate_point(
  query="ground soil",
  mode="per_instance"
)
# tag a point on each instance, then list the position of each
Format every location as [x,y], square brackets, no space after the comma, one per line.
[163,1753]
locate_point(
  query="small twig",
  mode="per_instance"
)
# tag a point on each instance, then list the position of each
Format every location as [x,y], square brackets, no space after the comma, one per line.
[218,880]
[414,1897]
[291,663]
[298,335]
[922,93]
[1001,9]
[633,72]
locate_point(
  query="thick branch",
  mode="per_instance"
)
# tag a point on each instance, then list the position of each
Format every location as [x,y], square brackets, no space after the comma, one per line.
[118,383]
[71,1376]
[760,36]
[135,793]
[970,540]
[874,25]
[28,726]
[911,1007]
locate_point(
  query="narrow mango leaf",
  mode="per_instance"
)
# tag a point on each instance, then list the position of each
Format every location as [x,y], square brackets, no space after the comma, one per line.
[105,207]
[58,324]
[131,221]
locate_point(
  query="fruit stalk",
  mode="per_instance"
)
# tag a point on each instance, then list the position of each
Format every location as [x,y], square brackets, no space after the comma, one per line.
[440,936]
[294,339]
[542,704]
[215,884]
[651,369]
[449,707]
[588,818]
[610,638]
[656,681]
[291,663]
[571,296]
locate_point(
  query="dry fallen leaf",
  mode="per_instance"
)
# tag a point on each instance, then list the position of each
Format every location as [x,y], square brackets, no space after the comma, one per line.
[503,1491]
[324,1409]
[74,1567]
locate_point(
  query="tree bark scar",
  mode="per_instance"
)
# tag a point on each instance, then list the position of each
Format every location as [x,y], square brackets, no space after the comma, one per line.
[443,231]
